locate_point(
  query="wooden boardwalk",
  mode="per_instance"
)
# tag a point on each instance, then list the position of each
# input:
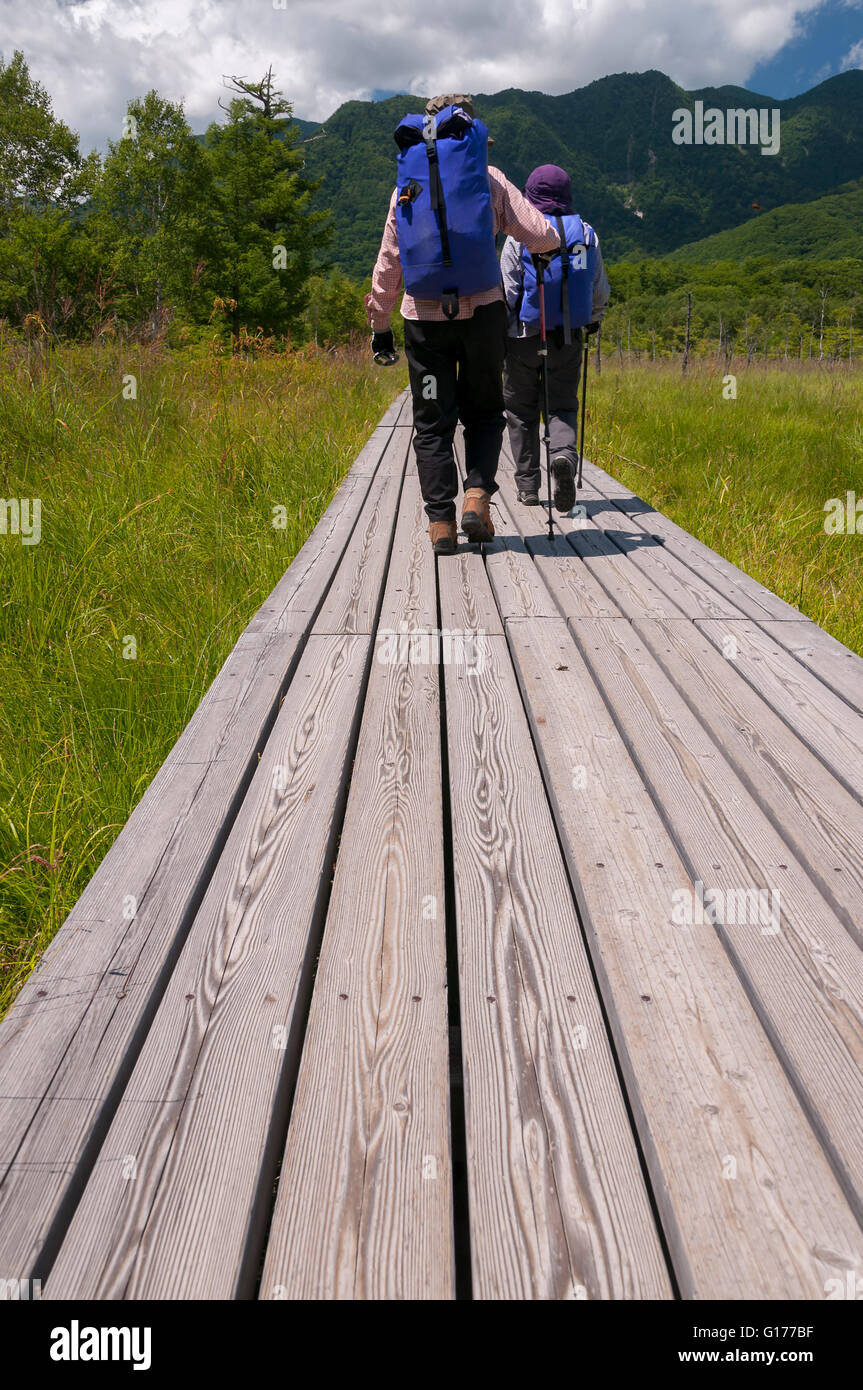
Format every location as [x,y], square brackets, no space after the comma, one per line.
[493,930]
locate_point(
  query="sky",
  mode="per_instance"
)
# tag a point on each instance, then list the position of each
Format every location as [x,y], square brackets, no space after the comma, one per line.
[94,55]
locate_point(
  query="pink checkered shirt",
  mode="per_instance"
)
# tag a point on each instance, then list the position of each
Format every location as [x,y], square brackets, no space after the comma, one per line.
[513,214]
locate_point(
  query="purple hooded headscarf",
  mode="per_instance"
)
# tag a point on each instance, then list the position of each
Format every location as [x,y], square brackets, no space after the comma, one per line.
[549,189]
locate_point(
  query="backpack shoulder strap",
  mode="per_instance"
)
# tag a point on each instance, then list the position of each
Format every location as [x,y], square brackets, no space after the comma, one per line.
[438,203]
[564,262]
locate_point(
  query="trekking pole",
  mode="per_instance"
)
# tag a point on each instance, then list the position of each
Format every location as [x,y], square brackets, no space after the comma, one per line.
[543,367]
[583,408]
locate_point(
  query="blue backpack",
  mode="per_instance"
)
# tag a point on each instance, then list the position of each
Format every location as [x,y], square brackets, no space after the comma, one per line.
[568,280]
[444,214]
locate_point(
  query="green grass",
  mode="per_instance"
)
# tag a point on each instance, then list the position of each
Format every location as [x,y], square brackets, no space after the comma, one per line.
[156,526]
[750,476]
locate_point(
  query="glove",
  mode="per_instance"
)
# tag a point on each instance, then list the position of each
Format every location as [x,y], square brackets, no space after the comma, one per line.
[384,348]
[592,328]
[541,260]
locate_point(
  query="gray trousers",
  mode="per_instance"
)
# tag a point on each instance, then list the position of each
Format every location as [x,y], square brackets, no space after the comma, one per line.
[522,396]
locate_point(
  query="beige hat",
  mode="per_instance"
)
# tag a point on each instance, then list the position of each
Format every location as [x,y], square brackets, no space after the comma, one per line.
[436,104]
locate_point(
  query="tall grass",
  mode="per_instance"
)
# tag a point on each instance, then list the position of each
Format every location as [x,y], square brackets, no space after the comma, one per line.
[157,527]
[749,477]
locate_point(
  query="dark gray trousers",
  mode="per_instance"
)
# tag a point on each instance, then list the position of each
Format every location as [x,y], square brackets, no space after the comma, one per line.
[522,395]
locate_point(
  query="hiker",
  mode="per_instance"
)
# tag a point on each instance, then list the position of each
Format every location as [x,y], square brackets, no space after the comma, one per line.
[549,190]
[439,236]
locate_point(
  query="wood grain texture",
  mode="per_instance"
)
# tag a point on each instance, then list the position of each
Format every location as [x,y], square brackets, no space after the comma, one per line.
[557,1201]
[466,600]
[840,669]
[566,576]
[821,719]
[366,463]
[174,1200]
[691,591]
[65,1043]
[292,604]
[76,1025]
[374,1220]
[751,597]
[518,586]
[353,598]
[750,1205]
[604,582]
[397,453]
[813,812]
[800,967]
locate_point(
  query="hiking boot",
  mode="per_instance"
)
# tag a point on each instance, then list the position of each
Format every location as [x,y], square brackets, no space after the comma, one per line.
[443,536]
[476,518]
[564,484]
[529,497]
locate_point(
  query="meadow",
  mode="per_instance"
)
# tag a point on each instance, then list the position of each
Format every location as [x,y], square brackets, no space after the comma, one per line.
[157,546]
[748,476]
[158,472]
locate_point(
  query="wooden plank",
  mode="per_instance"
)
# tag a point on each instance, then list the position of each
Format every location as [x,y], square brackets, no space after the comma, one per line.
[367,460]
[819,819]
[374,1220]
[292,604]
[801,968]
[515,578]
[397,454]
[749,1203]
[76,1025]
[836,665]
[74,1030]
[753,598]
[175,1204]
[354,596]
[391,415]
[406,414]
[558,1207]
[518,586]
[604,584]
[566,576]
[821,719]
[689,590]
[466,601]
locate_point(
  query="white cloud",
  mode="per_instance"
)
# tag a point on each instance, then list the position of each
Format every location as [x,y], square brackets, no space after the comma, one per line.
[854,57]
[94,55]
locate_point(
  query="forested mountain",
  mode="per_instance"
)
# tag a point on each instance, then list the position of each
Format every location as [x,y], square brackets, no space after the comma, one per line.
[265,226]
[825,229]
[645,194]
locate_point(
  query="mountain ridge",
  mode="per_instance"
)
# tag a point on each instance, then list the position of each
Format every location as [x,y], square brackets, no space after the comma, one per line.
[645,195]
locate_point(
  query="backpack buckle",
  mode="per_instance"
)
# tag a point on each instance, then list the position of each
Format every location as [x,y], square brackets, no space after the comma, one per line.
[449,303]
[410,192]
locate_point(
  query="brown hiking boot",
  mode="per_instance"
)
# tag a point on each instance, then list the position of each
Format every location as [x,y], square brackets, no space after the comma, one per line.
[476,518]
[443,537]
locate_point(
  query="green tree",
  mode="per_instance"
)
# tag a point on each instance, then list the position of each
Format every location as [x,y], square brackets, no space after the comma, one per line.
[152,215]
[335,309]
[47,271]
[40,163]
[268,239]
